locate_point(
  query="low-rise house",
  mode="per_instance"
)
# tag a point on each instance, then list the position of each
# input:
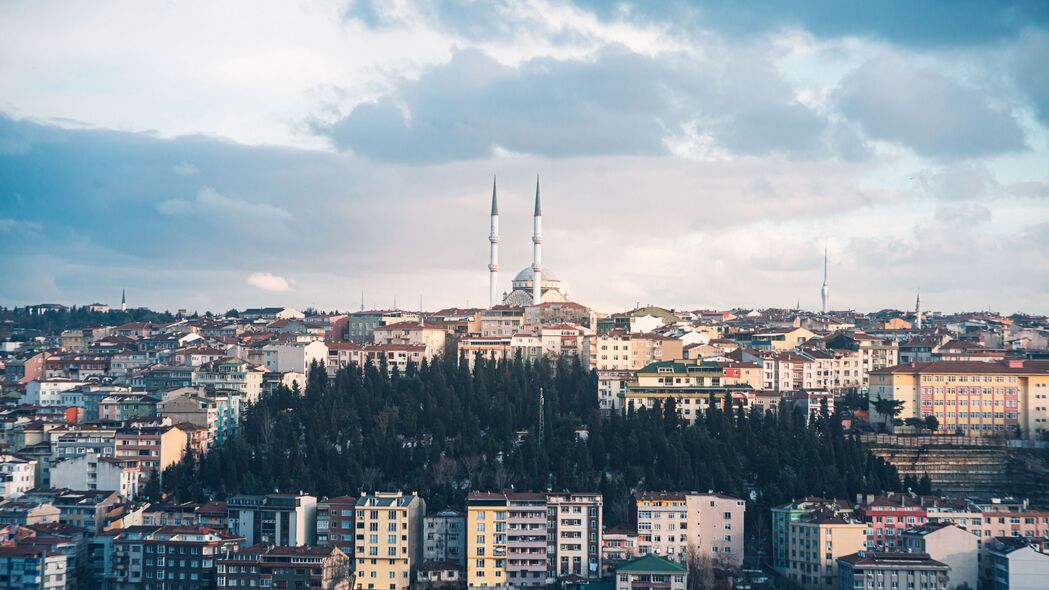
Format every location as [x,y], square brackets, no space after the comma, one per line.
[91,510]
[25,513]
[439,574]
[651,571]
[618,545]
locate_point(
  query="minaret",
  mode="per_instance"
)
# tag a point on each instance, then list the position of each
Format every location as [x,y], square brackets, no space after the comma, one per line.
[918,310]
[825,290]
[493,252]
[537,248]
[123,300]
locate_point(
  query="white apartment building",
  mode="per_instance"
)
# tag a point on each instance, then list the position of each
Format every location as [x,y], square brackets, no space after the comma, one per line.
[17,476]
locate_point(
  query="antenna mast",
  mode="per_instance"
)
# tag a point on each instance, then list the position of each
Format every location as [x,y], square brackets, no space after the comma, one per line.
[542,413]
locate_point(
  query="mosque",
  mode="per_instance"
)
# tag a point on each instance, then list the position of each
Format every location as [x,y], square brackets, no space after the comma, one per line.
[534,284]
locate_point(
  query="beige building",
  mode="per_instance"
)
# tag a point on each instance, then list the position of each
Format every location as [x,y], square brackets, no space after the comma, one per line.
[554,341]
[814,543]
[949,544]
[151,447]
[389,540]
[433,337]
[344,354]
[682,526]
[972,397]
[501,321]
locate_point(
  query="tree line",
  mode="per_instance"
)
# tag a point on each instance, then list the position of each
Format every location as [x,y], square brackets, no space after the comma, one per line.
[443,430]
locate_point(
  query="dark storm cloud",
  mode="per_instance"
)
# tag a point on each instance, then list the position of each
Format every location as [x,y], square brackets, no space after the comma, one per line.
[936,116]
[618,103]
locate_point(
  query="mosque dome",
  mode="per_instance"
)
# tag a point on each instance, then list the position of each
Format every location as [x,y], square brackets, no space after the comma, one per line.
[526,274]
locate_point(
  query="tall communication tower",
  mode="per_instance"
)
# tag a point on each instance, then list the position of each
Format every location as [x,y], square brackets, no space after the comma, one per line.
[542,413]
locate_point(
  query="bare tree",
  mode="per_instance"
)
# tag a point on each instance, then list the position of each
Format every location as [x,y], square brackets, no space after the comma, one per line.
[699,568]
[371,476]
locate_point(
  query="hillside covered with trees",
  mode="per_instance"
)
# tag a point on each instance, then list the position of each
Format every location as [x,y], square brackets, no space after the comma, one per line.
[443,430]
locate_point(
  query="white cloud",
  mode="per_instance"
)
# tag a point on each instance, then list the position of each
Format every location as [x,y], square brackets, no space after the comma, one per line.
[19,226]
[211,205]
[185,169]
[268,282]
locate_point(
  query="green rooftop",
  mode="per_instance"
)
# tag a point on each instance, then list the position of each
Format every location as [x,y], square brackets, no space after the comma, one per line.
[651,564]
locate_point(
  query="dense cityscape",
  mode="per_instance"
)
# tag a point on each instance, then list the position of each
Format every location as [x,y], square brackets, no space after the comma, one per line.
[524,295]
[535,442]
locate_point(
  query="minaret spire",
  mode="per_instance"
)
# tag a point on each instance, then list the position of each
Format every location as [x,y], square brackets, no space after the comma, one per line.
[123,300]
[493,251]
[825,290]
[918,309]
[537,248]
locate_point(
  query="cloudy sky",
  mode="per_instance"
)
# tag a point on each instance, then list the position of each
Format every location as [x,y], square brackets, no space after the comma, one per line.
[205,155]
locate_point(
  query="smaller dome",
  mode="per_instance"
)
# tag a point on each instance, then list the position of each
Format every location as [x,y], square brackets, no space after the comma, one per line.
[526,274]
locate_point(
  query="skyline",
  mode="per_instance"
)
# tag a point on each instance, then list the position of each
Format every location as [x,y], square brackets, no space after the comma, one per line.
[694,157]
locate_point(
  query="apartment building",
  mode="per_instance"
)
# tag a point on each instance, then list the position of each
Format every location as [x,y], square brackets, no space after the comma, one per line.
[432,337]
[150,446]
[344,354]
[93,472]
[574,526]
[33,568]
[1015,564]
[360,326]
[956,547]
[681,526]
[1007,398]
[230,374]
[167,557]
[692,384]
[445,537]
[269,566]
[809,535]
[17,476]
[285,520]
[91,510]
[888,516]
[294,357]
[501,321]
[389,540]
[486,525]
[335,523]
[527,548]
[899,571]
[618,545]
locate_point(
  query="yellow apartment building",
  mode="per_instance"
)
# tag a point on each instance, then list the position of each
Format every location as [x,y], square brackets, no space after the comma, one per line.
[976,398]
[486,516]
[389,540]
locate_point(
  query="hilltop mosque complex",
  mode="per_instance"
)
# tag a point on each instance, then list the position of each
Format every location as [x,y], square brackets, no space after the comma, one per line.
[534,284]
